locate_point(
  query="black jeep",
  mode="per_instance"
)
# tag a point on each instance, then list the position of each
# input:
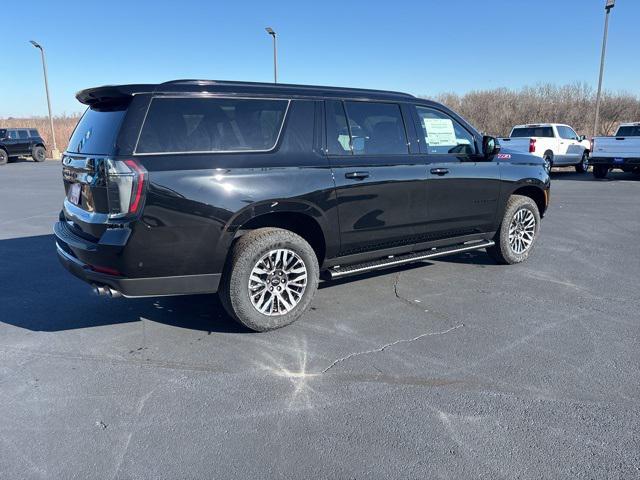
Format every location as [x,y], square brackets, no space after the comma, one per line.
[256,190]
[21,142]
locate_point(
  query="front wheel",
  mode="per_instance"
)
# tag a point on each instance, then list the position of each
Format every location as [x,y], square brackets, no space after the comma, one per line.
[38,154]
[4,158]
[270,279]
[600,171]
[518,231]
[583,166]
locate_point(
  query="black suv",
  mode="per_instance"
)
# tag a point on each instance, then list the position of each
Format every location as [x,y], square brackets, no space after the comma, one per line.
[256,190]
[20,142]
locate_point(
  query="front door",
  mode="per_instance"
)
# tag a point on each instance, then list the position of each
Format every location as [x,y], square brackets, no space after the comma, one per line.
[463,187]
[379,181]
[13,143]
[571,147]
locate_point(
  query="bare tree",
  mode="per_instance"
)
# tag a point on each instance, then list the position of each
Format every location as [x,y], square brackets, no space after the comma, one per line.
[496,111]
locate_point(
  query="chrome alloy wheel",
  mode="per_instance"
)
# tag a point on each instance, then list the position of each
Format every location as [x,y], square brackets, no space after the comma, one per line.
[277,282]
[522,230]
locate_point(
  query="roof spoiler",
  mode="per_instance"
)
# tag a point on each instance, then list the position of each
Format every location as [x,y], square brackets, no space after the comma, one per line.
[110,95]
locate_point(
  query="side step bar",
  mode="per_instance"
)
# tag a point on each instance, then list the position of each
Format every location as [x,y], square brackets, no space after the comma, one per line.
[339,271]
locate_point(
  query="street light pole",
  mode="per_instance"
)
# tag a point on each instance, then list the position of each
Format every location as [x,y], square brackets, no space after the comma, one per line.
[275,54]
[55,154]
[609,5]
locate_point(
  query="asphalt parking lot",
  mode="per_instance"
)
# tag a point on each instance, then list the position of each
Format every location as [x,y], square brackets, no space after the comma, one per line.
[457,368]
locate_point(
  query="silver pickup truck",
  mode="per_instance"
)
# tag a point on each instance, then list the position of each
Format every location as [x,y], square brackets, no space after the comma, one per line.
[620,151]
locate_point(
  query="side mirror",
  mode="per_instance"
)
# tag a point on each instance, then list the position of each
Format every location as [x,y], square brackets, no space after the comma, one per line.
[490,146]
[582,138]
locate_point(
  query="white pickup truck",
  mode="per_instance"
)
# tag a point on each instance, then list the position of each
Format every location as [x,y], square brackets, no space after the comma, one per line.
[620,151]
[557,144]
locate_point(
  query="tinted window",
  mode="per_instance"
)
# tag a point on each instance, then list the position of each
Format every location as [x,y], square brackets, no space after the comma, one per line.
[211,125]
[566,132]
[338,139]
[3,133]
[23,134]
[34,133]
[443,134]
[532,132]
[13,134]
[96,132]
[376,128]
[628,131]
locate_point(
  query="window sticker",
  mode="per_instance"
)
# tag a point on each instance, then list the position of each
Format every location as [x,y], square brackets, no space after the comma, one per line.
[439,132]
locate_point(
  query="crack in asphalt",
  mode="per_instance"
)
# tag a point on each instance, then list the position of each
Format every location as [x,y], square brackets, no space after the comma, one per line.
[387,345]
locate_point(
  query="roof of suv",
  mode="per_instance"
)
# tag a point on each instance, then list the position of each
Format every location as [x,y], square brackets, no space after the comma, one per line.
[114,93]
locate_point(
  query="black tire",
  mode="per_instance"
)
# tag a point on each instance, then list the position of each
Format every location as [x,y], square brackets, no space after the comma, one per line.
[600,171]
[547,158]
[503,252]
[39,154]
[4,158]
[583,166]
[246,254]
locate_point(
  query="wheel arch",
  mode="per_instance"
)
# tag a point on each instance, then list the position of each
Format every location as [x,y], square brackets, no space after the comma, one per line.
[537,194]
[302,218]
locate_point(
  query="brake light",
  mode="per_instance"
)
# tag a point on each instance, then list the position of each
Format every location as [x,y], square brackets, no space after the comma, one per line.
[532,145]
[125,187]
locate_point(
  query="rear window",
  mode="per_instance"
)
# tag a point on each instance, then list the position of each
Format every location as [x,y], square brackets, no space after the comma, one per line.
[629,131]
[180,125]
[97,131]
[532,132]
[23,134]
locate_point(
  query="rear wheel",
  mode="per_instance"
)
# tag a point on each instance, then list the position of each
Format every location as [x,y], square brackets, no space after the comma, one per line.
[583,166]
[38,154]
[270,280]
[4,158]
[518,231]
[600,171]
[547,158]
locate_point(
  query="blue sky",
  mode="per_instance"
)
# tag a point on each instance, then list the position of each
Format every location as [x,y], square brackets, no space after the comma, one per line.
[423,47]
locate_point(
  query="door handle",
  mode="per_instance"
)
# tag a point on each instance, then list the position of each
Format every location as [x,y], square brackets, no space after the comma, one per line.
[439,171]
[357,175]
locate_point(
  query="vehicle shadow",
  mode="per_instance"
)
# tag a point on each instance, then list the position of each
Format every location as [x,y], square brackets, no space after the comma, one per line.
[39,294]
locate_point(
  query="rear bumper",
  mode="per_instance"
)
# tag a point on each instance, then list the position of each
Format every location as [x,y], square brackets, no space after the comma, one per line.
[615,162]
[70,248]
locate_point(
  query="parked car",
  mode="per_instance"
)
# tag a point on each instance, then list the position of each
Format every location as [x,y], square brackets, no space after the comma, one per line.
[255,190]
[620,151]
[21,142]
[558,145]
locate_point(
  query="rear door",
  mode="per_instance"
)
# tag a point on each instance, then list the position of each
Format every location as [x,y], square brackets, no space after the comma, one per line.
[24,142]
[462,187]
[379,180]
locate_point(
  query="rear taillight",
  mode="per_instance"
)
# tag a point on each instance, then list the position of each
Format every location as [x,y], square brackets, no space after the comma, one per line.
[125,187]
[532,145]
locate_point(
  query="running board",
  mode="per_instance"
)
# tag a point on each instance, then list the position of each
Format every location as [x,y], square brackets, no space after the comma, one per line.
[339,271]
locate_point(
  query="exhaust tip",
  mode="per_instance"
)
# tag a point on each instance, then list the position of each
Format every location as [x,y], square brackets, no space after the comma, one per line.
[114,293]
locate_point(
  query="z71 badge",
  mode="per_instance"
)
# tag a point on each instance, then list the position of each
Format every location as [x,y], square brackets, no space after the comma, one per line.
[504,156]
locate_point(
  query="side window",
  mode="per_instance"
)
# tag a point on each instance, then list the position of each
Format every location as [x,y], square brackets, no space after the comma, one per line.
[13,134]
[22,134]
[376,128]
[34,133]
[338,139]
[443,134]
[567,133]
[182,125]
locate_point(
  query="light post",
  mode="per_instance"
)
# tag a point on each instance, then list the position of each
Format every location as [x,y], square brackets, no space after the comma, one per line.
[275,54]
[608,6]
[54,153]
